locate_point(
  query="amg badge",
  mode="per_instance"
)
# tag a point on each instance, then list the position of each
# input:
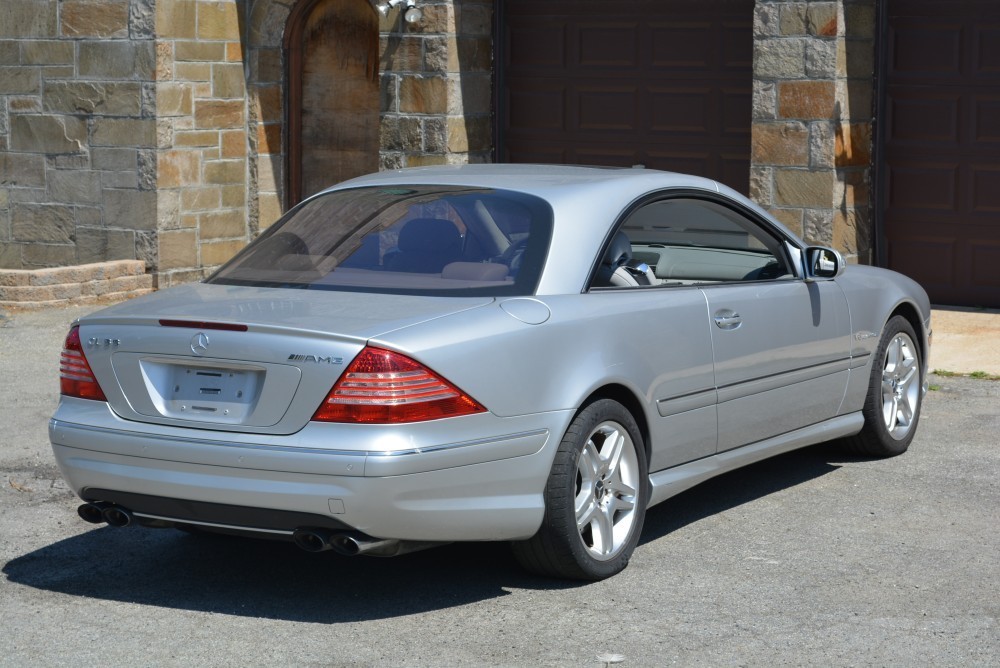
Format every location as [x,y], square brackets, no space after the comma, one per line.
[315,358]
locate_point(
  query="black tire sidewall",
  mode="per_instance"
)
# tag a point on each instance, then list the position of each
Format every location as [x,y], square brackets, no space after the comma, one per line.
[564,487]
[874,422]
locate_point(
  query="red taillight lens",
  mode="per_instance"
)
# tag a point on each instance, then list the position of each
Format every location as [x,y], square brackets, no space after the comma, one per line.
[384,387]
[75,377]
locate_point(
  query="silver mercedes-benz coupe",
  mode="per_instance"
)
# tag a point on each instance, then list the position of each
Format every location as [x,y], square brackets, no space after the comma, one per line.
[533,354]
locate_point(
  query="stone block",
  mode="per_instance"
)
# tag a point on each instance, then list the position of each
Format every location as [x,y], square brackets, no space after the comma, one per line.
[117,59]
[177,19]
[266,66]
[765,100]
[74,186]
[101,245]
[177,248]
[90,97]
[42,223]
[113,159]
[859,21]
[268,138]
[30,104]
[790,218]
[178,168]
[761,185]
[120,180]
[218,114]
[267,23]
[473,20]
[792,18]
[223,224]
[28,18]
[817,226]
[390,160]
[800,187]
[20,80]
[438,19]
[425,160]
[234,144]
[228,81]
[853,145]
[174,99]
[766,20]
[851,232]
[821,143]
[405,53]
[133,132]
[469,94]
[130,209]
[389,93]
[10,257]
[400,133]
[435,132]
[198,51]
[225,171]
[196,138]
[821,59]
[47,133]
[142,19]
[24,170]
[423,95]
[269,175]
[67,161]
[217,252]
[94,18]
[10,52]
[468,134]
[235,196]
[268,103]
[234,52]
[853,188]
[859,57]
[822,19]
[780,144]
[218,20]
[779,58]
[806,100]
[201,199]
[270,209]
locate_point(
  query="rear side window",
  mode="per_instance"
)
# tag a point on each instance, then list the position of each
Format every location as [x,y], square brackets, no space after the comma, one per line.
[403,240]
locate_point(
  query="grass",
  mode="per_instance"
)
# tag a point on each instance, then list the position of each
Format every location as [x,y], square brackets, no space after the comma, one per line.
[978,375]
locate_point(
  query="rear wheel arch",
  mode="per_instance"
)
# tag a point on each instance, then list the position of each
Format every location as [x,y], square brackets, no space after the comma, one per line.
[632,404]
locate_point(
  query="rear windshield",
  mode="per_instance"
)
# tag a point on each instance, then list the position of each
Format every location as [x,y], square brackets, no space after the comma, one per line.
[403,240]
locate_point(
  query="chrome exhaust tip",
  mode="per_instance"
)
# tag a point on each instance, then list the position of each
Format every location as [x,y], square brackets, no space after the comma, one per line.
[117,516]
[92,512]
[312,540]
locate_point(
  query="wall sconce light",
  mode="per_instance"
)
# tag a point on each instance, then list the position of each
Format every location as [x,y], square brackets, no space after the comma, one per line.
[411,15]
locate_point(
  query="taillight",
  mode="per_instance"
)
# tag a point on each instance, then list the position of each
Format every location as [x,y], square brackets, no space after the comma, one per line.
[384,387]
[75,377]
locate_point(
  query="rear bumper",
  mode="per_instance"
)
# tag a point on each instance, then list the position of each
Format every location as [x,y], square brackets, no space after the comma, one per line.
[432,482]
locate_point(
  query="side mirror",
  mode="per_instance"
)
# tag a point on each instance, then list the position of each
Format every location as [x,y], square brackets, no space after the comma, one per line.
[823,263]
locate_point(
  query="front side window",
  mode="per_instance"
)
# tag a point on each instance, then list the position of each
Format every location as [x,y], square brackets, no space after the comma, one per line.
[404,240]
[685,241]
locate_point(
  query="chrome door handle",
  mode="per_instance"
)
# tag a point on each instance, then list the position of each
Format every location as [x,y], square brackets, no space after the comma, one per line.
[728,320]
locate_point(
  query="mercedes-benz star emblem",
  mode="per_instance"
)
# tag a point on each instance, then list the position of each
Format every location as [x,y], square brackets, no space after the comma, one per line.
[199,343]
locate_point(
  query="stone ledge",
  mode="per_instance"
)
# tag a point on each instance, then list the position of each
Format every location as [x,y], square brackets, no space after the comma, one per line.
[82,284]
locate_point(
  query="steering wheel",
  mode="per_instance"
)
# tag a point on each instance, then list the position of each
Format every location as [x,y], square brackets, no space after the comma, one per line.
[514,254]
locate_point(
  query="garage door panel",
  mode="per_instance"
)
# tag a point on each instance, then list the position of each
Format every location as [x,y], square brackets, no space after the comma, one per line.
[931,258]
[682,45]
[923,186]
[985,190]
[608,46]
[923,115]
[987,118]
[608,108]
[985,267]
[641,80]
[987,49]
[919,49]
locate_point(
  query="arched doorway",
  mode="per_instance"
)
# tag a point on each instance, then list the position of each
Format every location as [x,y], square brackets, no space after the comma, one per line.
[333,111]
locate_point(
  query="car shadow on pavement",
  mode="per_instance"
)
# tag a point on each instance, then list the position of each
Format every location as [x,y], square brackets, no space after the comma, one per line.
[256,578]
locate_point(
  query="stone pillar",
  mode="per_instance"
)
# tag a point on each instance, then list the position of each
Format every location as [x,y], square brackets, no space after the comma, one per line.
[812,119]
[201,138]
[436,85]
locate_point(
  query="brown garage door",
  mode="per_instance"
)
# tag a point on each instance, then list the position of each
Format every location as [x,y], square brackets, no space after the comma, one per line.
[942,151]
[666,84]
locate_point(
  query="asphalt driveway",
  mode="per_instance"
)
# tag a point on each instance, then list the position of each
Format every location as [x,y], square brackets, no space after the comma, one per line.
[812,558]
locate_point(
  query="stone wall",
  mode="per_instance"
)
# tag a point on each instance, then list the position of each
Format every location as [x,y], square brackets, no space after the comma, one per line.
[77,132]
[812,119]
[100,282]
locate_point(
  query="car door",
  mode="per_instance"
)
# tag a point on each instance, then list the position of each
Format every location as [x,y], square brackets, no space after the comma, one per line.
[781,345]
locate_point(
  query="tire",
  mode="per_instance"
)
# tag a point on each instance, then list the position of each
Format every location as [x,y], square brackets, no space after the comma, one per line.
[599,475]
[892,406]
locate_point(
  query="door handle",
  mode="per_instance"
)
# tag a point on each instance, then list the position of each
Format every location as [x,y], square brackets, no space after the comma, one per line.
[727,319]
